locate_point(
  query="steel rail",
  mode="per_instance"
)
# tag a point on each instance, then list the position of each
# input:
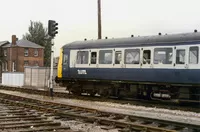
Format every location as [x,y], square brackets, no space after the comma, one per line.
[123,121]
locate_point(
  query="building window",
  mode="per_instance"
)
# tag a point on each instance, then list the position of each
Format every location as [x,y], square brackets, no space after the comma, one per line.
[5,52]
[6,66]
[3,68]
[26,63]
[163,56]
[180,56]
[132,56]
[26,52]
[36,63]
[105,56]
[82,57]
[193,55]
[35,52]
[13,66]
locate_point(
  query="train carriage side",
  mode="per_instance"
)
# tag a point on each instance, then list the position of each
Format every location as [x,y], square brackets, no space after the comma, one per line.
[156,71]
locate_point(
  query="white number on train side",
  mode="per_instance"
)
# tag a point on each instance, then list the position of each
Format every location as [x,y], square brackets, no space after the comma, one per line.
[82,71]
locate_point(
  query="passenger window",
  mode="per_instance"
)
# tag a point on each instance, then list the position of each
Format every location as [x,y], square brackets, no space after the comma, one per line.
[146,56]
[118,57]
[163,56]
[194,55]
[82,57]
[132,56]
[180,56]
[105,57]
[93,57]
[65,59]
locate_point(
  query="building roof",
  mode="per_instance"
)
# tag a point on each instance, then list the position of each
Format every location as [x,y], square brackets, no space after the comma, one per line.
[3,42]
[25,44]
[173,39]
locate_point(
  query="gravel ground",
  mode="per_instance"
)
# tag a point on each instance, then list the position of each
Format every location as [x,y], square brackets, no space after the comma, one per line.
[151,112]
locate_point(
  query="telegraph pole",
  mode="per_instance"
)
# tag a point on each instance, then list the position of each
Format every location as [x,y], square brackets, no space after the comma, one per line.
[99,19]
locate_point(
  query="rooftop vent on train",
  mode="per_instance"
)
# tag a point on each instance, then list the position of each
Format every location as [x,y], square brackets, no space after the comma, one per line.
[195,31]
[132,36]
[159,33]
[106,37]
[85,39]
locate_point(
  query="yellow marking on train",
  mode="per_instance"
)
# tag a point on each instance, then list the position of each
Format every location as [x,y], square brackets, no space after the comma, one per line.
[60,63]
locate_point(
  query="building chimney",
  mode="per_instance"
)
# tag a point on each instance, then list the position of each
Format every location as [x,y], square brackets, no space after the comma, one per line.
[14,39]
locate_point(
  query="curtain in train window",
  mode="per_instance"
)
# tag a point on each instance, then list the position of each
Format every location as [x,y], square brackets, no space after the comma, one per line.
[82,57]
[193,55]
[132,56]
[105,56]
[163,56]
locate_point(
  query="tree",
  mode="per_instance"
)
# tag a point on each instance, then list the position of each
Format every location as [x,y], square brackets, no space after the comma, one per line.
[39,35]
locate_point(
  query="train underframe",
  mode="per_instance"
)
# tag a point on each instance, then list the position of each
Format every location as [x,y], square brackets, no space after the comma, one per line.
[147,91]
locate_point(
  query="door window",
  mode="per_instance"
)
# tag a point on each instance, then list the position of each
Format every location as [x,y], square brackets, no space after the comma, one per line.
[118,57]
[146,56]
[93,57]
[180,56]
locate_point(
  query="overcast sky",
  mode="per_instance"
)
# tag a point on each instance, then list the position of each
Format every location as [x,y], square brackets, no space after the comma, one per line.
[120,18]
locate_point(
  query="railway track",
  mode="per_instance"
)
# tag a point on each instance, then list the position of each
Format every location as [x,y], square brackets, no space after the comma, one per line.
[110,120]
[18,119]
[172,106]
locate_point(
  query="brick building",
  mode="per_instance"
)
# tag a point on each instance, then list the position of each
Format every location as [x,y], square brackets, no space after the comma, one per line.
[20,53]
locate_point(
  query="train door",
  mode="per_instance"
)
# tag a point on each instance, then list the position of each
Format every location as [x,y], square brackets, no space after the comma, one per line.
[66,56]
[181,59]
[146,58]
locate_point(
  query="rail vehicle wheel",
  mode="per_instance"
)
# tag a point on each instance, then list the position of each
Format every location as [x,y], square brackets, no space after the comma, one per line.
[92,94]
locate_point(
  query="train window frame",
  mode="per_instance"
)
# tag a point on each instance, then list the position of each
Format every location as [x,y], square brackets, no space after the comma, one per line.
[161,50]
[103,53]
[197,55]
[178,53]
[93,60]
[80,57]
[118,57]
[133,62]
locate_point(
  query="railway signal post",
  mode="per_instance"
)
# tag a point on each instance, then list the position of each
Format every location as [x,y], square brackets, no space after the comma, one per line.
[52,31]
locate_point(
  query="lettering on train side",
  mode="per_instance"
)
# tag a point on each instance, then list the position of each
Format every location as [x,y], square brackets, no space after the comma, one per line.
[82,71]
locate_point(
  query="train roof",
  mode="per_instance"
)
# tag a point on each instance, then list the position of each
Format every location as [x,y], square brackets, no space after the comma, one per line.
[172,39]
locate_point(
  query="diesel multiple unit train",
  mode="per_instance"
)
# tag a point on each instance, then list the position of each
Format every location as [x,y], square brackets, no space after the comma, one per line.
[160,67]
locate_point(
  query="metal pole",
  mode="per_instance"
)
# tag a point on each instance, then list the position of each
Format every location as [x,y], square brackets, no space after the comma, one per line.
[51,74]
[99,19]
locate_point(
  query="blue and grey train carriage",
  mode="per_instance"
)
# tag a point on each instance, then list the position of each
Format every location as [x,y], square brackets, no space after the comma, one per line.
[161,67]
